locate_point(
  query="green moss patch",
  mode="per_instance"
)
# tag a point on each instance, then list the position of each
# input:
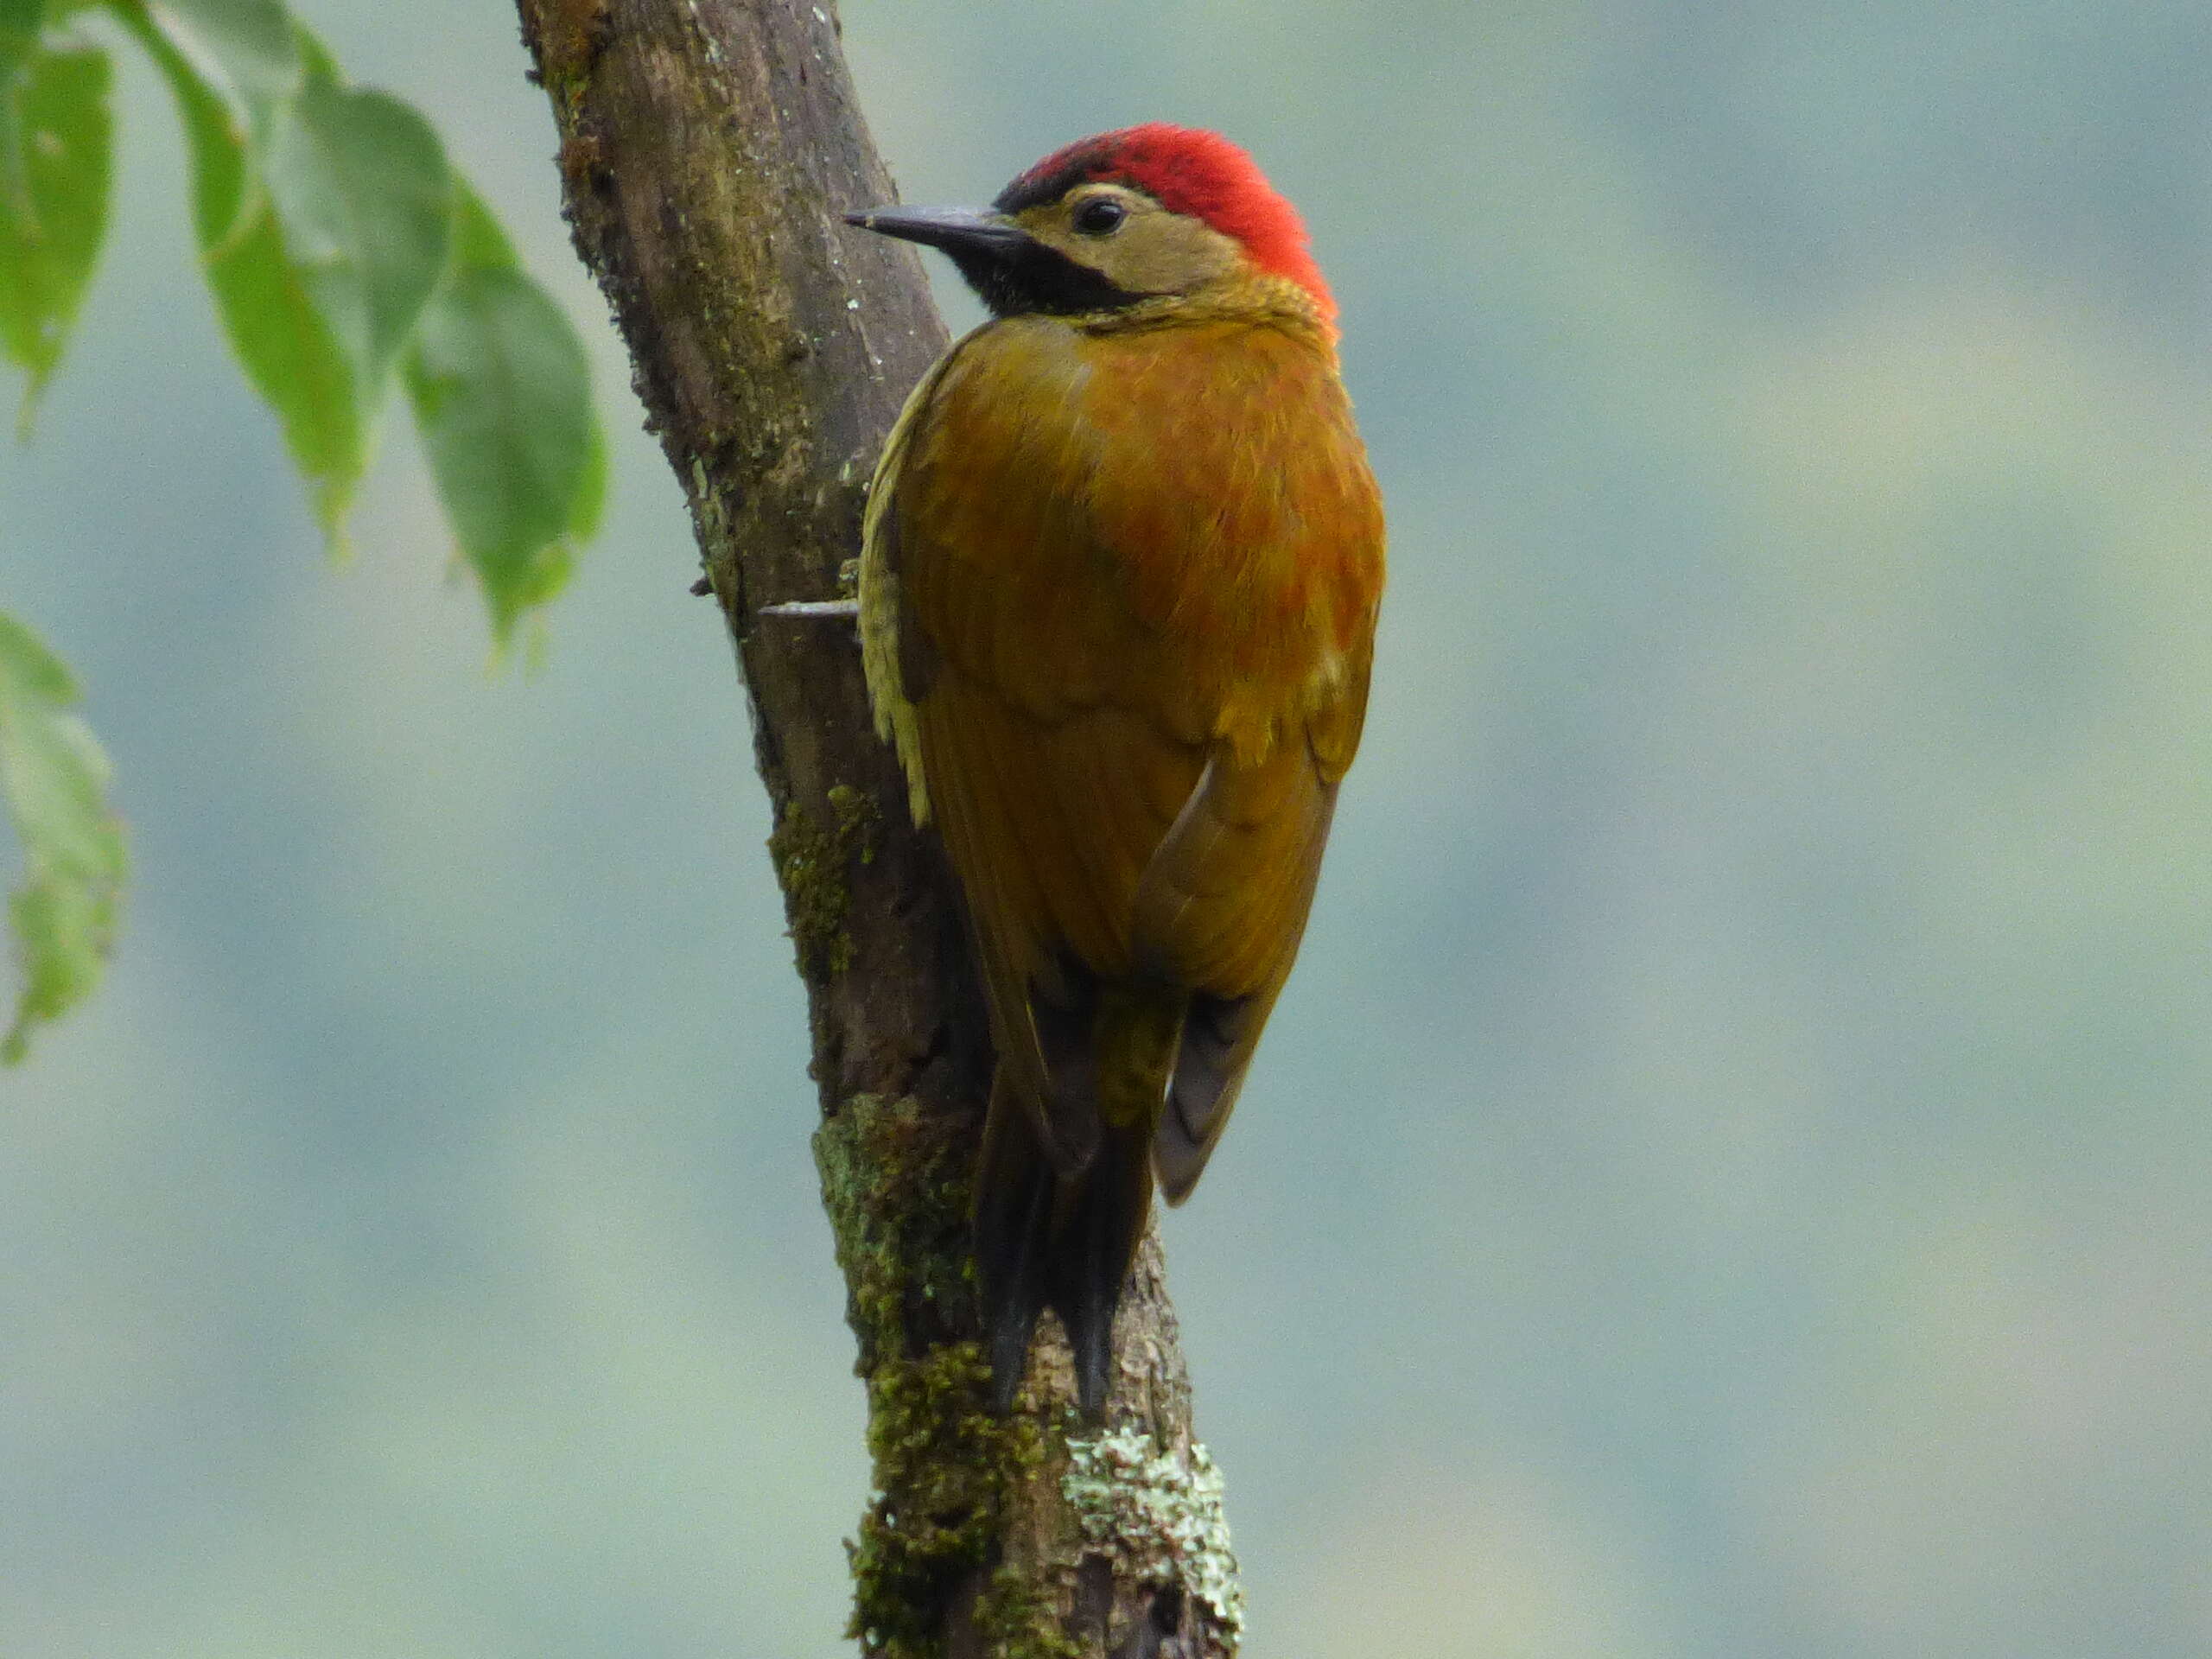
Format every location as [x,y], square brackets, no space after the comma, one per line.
[815,866]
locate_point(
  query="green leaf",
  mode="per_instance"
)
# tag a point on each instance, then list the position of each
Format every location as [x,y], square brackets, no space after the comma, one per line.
[20,22]
[245,52]
[502,396]
[290,352]
[55,779]
[341,247]
[244,56]
[322,211]
[56,146]
[479,239]
[365,202]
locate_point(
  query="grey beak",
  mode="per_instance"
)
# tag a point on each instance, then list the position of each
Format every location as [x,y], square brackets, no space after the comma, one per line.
[956,230]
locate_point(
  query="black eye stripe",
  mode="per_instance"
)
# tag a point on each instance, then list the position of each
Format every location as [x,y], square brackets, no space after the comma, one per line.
[1038,279]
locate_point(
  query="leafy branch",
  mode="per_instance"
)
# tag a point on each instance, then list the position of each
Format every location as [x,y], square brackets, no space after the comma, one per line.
[344,255]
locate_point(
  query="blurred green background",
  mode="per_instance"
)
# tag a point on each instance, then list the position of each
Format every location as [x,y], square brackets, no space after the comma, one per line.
[1731,1175]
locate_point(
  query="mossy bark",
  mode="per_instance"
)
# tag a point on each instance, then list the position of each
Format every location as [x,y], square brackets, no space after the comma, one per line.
[707,149]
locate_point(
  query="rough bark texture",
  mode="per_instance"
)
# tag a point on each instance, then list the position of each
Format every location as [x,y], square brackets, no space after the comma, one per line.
[707,148]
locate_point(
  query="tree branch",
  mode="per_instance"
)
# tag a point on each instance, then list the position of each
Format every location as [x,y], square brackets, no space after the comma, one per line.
[707,148]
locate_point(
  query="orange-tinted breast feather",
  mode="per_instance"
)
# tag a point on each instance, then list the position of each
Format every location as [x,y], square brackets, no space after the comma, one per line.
[1121,571]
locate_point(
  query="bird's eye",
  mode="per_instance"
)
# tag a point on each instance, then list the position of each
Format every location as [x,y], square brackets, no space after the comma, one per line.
[1100,216]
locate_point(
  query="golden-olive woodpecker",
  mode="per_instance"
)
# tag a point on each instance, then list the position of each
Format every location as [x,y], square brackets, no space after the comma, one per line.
[1121,561]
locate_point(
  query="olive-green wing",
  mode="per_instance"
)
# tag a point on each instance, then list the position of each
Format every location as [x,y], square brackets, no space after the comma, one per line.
[1222,908]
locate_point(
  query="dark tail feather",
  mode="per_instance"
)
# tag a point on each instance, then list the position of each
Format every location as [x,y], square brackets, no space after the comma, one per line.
[1014,1192]
[1041,1241]
[1219,1038]
[1092,1250]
